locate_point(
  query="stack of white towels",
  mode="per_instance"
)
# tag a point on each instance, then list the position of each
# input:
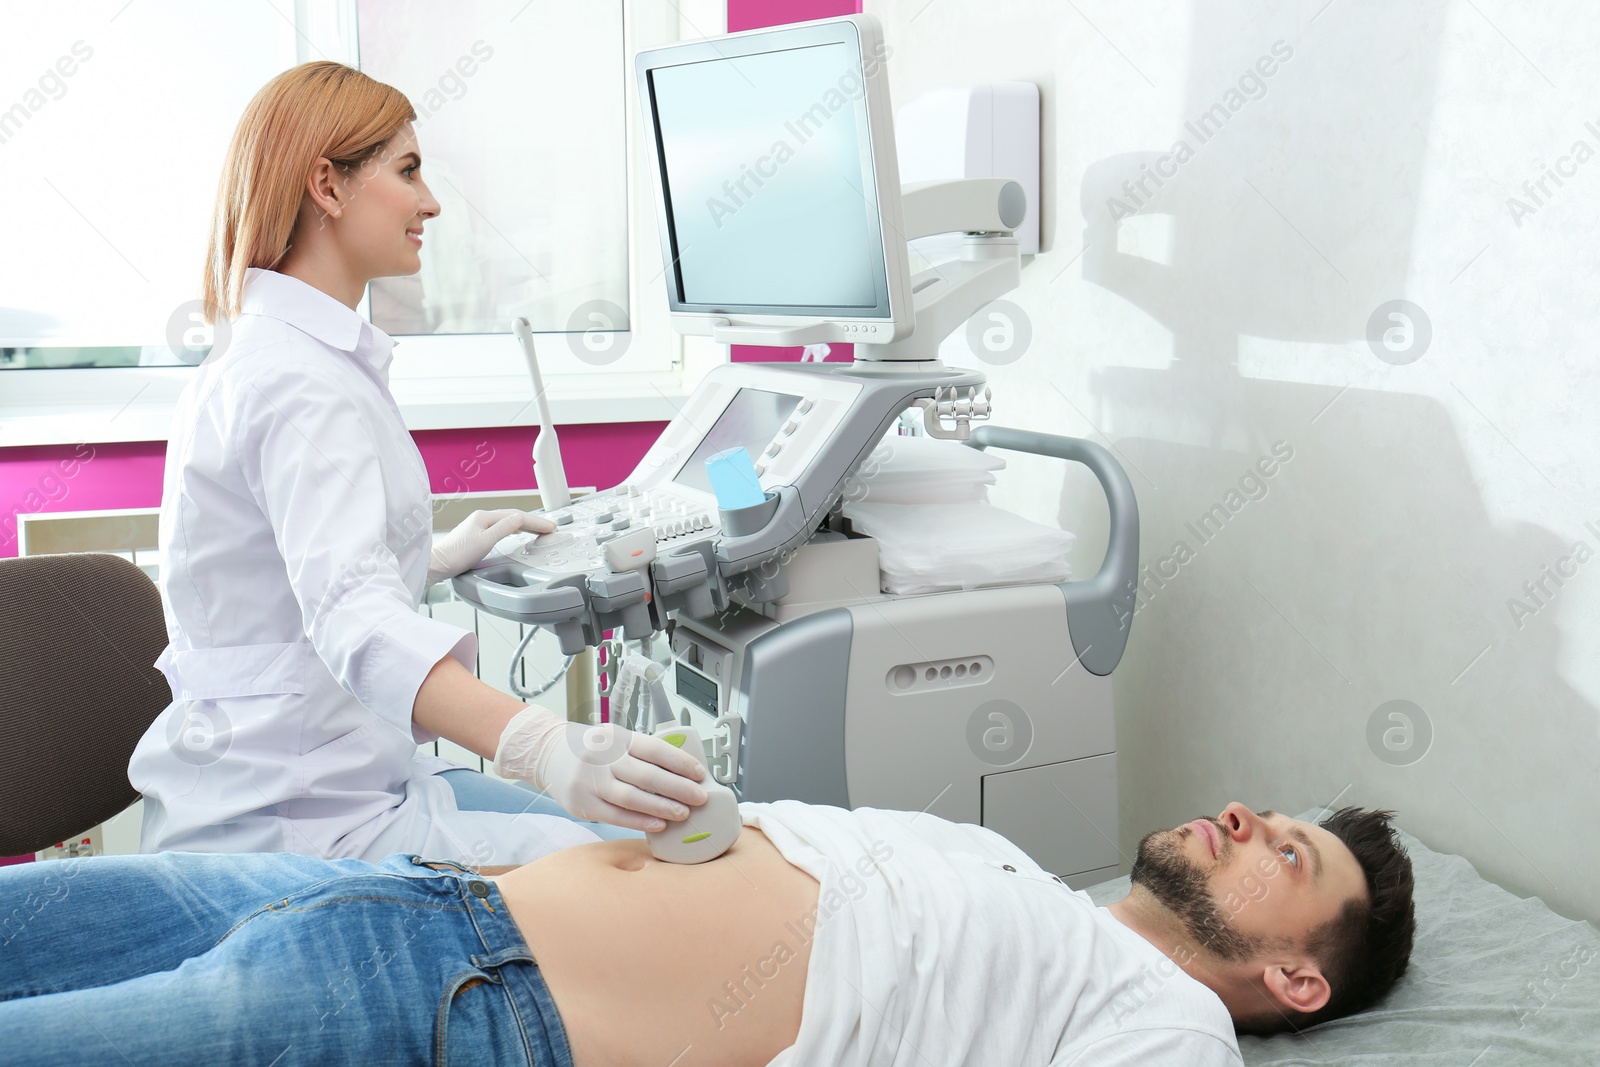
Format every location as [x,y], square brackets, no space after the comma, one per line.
[926,502]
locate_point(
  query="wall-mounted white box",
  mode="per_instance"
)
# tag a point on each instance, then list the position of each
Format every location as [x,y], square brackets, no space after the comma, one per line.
[973,131]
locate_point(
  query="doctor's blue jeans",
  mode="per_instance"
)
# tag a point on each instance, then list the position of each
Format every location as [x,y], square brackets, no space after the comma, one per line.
[267,958]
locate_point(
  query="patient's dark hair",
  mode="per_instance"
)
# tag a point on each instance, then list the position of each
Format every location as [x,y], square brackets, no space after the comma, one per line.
[1364,950]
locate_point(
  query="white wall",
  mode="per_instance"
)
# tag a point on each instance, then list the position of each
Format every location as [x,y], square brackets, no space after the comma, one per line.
[1229,313]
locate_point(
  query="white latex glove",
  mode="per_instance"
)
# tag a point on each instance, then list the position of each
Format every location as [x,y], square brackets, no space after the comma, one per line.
[603,773]
[468,543]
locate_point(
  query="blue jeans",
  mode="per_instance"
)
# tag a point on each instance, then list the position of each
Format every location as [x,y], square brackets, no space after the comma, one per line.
[478,792]
[269,958]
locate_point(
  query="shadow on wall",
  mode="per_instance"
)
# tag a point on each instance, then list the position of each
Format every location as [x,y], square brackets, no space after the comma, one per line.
[1315,552]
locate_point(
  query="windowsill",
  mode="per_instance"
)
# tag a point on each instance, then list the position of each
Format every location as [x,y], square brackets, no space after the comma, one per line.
[137,403]
[452,403]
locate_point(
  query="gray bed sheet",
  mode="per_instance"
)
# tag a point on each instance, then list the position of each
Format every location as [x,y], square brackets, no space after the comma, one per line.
[1495,981]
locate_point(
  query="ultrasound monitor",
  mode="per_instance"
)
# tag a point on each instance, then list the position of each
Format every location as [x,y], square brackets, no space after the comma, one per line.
[777,187]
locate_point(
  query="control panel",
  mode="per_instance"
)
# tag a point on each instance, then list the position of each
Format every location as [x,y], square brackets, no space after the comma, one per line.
[617,517]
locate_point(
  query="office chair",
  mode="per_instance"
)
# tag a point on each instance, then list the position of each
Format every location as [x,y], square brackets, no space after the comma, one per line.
[79,637]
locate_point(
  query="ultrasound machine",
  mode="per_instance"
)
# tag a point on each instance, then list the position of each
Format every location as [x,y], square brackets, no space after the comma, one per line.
[783,222]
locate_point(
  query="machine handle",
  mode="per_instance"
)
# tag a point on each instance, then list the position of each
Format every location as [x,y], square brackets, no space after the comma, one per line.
[537,605]
[1099,609]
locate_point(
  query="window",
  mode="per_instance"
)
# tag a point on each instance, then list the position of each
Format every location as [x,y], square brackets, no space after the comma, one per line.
[113,124]
[115,117]
[525,146]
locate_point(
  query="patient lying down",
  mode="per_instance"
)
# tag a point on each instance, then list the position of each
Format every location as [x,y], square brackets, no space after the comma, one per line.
[823,937]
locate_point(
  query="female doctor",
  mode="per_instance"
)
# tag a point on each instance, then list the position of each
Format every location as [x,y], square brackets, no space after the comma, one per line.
[296,544]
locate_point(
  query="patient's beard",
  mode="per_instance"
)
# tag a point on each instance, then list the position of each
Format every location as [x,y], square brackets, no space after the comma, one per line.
[1173,879]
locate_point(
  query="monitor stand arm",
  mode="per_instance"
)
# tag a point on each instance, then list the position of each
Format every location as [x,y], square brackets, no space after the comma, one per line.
[961,205]
[946,296]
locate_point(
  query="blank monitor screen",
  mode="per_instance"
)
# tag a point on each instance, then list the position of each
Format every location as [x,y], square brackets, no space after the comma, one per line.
[768,171]
[751,419]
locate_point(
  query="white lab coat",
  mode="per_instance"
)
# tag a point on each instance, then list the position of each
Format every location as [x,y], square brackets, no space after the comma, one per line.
[295,531]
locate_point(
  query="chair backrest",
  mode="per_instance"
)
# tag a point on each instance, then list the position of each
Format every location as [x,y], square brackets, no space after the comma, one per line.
[79,637]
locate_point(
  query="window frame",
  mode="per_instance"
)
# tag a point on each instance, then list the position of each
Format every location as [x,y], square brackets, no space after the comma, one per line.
[487,384]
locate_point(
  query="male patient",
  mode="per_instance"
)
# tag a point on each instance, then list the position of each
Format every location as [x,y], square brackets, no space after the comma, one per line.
[823,937]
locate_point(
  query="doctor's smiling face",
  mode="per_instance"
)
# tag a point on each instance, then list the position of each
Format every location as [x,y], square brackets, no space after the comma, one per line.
[361,222]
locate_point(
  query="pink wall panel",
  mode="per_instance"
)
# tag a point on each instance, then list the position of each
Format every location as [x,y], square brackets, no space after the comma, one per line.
[76,478]
[753,14]
[599,454]
[51,478]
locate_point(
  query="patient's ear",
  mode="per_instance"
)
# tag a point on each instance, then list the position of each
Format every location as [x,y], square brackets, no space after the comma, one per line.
[1297,986]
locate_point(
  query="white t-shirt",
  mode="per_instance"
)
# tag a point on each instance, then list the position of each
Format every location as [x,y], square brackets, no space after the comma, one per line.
[942,943]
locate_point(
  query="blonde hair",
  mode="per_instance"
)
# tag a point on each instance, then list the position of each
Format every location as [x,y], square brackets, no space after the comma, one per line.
[308,112]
